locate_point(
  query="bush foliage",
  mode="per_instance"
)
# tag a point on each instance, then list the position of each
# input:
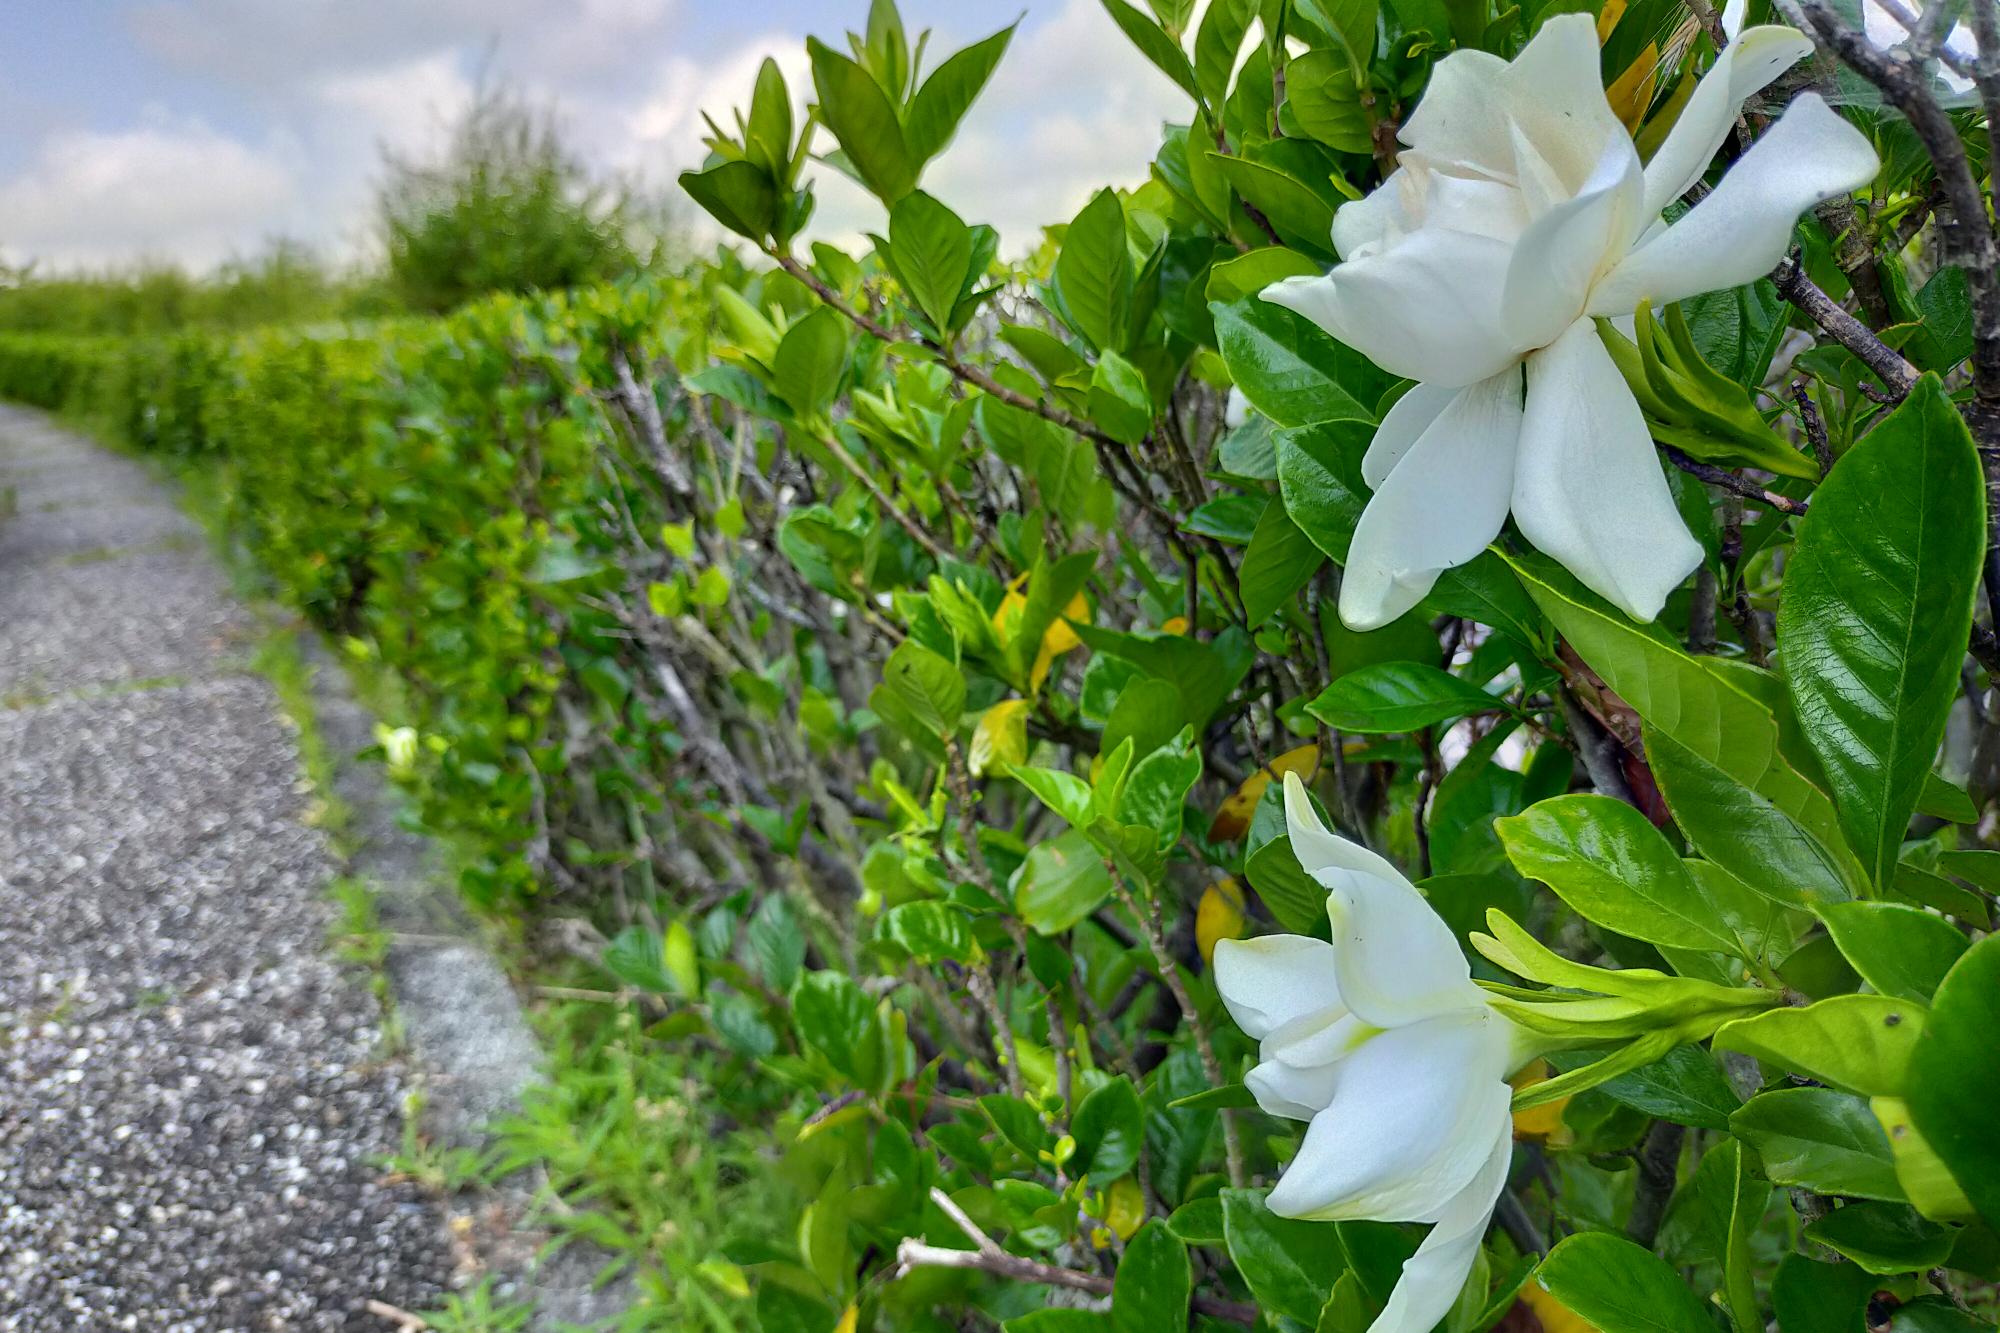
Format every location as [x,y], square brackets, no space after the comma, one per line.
[890,656]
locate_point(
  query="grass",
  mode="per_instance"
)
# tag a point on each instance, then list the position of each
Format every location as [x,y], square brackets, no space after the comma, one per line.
[624,1133]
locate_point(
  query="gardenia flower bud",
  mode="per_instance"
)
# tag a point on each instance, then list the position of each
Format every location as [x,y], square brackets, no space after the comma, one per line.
[1518,212]
[1381,1041]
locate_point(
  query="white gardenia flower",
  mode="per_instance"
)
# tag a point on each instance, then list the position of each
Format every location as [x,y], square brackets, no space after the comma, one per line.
[1520,210]
[1383,1042]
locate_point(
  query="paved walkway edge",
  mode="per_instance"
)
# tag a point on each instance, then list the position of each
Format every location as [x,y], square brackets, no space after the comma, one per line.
[472,1051]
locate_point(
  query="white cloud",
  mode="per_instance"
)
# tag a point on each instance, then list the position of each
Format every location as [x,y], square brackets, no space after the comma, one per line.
[166,189]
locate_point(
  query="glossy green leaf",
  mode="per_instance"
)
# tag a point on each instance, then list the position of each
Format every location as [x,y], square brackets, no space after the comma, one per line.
[853,106]
[738,194]
[947,94]
[1163,51]
[930,249]
[1820,1139]
[1876,608]
[929,686]
[1612,1283]
[1302,219]
[1093,273]
[1319,479]
[1290,1266]
[1955,1076]
[1858,1042]
[1061,882]
[809,362]
[1897,949]
[1399,696]
[1109,1127]
[1280,560]
[1607,861]
[1154,1282]
[1814,1297]
[1883,1237]
[1291,371]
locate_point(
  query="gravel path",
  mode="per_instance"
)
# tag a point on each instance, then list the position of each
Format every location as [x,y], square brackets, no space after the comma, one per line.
[193,1099]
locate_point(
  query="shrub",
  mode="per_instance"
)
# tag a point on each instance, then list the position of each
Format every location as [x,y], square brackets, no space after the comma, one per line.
[921,673]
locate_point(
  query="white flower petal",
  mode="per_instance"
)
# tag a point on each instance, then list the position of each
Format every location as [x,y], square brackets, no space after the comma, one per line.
[1552,91]
[1746,66]
[1569,247]
[1742,229]
[1291,1094]
[1381,217]
[1407,419]
[1408,1126]
[1442,501]
[1271,980]
[1426,308]
[1433,1276]
[1396,960]
[1587,485]
[1301,1060]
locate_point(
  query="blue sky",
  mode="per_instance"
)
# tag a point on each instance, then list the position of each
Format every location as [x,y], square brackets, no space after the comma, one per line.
[192,130]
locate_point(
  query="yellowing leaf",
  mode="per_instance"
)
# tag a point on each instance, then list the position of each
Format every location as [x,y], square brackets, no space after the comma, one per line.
[1552,1314]
[1124,1206]
[1000,737]
[1607,19]
[1177,625]
[1219,917]
[1057,639]
[1632,92]
[1232,820]
[847,1318]
[1542,1123]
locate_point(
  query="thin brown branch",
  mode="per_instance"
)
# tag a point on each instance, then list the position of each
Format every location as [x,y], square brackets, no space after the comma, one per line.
[1163,958]
[1888,364]
[1815,428]
[1729,481]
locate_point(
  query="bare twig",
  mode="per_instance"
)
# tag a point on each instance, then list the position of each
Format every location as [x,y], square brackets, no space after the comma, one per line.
[1163,958]
[1729,481]
[988,1257]
[1792,284]
[1659,1163]
[1815,428]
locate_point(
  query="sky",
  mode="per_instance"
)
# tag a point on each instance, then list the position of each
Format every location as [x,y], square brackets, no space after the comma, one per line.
[196,131]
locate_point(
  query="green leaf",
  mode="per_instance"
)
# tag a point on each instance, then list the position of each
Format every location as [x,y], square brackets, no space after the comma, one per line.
[1324,101]
[637,957]
[1060,882]
[1290,1266]
[738,194]
[1684,1085]
[1118,399]
[1876,608]
[1289,369]
[1155,794]
[1738,799]
[853,106]
[1279,561]
[1823,1140]
[1352,23]
[809,362]
[1606,860]
[929,685]
[930,249]
[834,1016]
[1319,478]
[1217,43]
[1741,830]
[1110,1129]
[1858,1042]
[1955,1079]
[1812,1297]
[1302,219]
[768,130]
[930,932]
[1898,950]
[1154,1283]
[1883,1237]
[944,98]
[1065,793]
[1093,273]
[1399,696]
[1251,272]
[1612,1283]
[1155,45]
